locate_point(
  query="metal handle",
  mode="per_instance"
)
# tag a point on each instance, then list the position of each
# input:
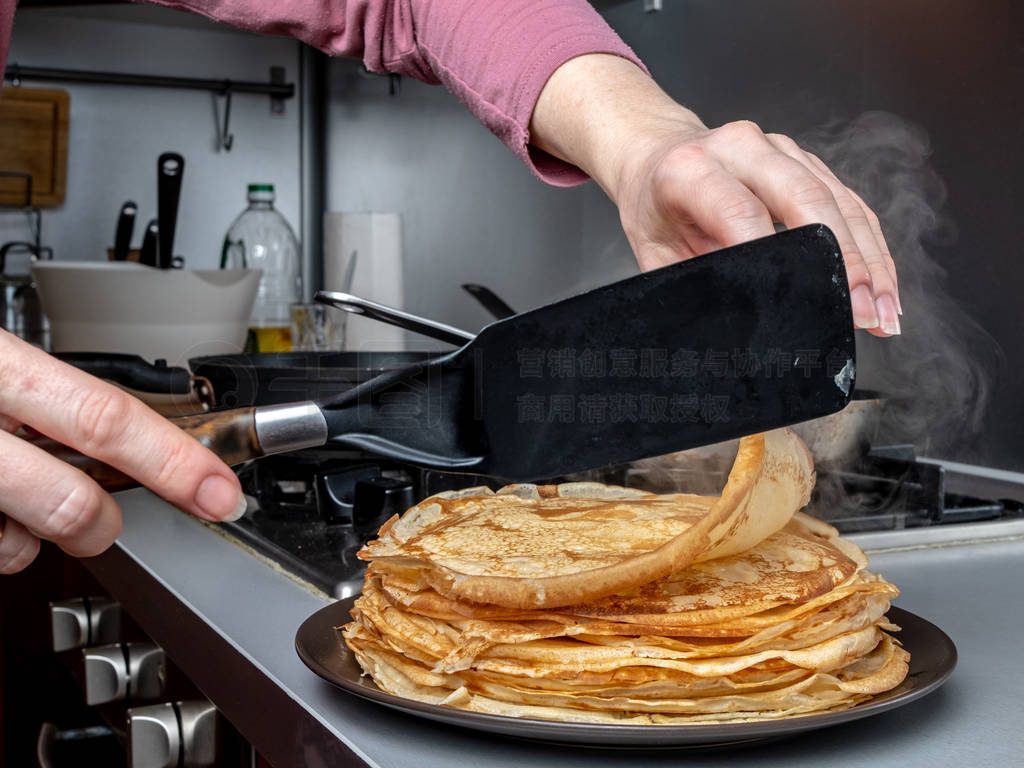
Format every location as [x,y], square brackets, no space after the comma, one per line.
[435,330]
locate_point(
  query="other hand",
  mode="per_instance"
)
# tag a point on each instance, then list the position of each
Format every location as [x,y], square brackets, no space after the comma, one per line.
[43,498]
[684,189]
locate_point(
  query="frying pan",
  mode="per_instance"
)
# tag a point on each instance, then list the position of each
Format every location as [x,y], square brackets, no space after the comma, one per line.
[232,381]
[240,381]
[229,381]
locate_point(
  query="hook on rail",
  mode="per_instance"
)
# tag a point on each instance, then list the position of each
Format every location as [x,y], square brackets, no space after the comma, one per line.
[225,139]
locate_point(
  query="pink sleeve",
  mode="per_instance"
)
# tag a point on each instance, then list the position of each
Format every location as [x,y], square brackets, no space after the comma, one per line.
[494,55]
[6,22]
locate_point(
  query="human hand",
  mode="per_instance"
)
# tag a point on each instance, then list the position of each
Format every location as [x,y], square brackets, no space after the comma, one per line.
[684,189]
[44,498]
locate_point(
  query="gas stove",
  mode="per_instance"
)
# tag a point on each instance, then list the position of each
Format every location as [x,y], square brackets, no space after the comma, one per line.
[310,511]
[891,489]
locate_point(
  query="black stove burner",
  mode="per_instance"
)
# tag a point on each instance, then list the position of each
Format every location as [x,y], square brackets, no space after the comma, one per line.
[889,489]
[314,509]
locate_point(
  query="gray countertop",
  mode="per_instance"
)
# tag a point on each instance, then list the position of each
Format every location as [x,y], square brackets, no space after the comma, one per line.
[228,619]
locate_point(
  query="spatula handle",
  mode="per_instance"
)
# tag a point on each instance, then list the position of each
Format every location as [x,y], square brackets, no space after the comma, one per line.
[236,436]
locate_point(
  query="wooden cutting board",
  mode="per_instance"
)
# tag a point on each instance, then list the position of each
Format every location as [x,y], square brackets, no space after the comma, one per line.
[33,140]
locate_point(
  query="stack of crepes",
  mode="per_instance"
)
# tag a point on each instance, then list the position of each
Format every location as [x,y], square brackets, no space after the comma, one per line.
[590,603]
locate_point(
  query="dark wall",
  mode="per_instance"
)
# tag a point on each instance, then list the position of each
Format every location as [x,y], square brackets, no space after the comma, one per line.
[950,74]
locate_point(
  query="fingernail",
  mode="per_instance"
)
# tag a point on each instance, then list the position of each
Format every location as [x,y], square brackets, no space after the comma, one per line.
[864,315]
[899,306]
[239,510]
[219,499]
[887,314]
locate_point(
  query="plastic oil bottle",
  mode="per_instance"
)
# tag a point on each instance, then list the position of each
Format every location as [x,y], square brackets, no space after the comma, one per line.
[261,238]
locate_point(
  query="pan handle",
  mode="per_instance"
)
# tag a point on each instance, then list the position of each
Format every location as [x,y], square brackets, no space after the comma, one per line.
[236,436]
[229,434]
[392,316]
[489,300]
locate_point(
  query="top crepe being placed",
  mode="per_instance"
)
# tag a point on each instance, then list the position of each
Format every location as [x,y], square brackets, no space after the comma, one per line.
[531,547]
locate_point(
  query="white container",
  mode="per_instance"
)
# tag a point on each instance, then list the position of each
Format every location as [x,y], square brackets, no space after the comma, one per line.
[376,238]
[173,314]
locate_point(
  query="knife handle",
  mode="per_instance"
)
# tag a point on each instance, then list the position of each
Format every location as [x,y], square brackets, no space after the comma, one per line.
[236,436]
[148,252]
[229,434]
[123,233]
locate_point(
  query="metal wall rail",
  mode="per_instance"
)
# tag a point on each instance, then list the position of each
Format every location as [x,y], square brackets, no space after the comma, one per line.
[278,90]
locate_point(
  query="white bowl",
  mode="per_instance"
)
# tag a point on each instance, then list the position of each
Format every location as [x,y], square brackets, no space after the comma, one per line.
[119,306]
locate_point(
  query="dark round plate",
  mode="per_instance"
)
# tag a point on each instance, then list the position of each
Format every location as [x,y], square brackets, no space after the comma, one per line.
[932,659]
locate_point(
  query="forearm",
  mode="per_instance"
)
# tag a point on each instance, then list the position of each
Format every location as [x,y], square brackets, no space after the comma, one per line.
[598,112]
[494,55]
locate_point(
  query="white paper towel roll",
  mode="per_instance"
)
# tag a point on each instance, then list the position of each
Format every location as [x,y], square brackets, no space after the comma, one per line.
[377,240]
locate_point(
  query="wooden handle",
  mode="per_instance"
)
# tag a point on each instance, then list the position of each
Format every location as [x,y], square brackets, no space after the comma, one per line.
[229,434]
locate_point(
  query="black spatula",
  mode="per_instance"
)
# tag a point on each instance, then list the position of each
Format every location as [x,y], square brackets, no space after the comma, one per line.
[739,341]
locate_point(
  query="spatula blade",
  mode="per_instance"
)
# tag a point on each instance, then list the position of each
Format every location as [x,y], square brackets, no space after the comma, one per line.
[735,342]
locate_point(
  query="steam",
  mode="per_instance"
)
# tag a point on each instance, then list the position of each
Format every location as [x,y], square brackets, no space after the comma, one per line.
[936,376]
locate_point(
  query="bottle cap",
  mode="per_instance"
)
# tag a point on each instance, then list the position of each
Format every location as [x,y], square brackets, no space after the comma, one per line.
[261,193]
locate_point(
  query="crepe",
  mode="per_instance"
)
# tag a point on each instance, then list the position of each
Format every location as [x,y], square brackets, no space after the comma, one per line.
[534,547]
[769,615]
[799,692]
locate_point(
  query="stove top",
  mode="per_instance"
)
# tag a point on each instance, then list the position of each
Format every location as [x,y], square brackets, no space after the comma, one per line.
[310,511]
[890,489]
